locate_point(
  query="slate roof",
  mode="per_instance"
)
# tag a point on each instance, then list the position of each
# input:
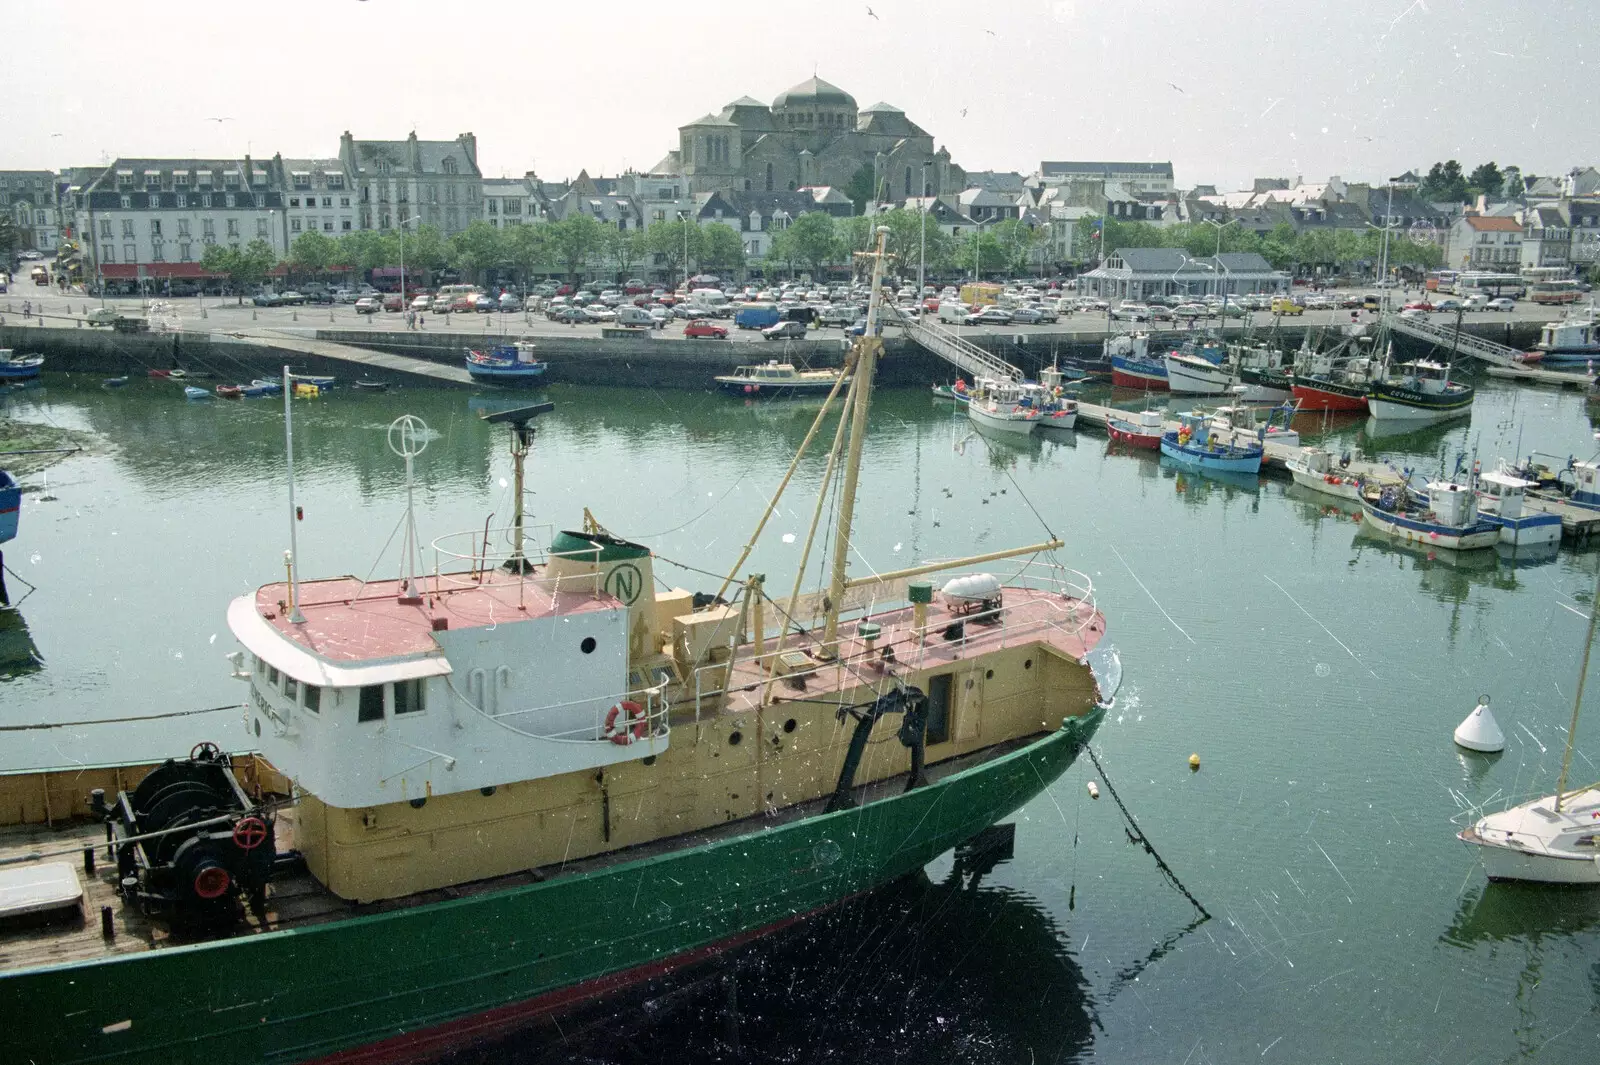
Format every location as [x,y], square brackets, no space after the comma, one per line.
[813,89]
[1241,262]
[1158,260]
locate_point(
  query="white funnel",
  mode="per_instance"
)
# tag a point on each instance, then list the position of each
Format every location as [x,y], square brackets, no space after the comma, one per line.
[1480,731]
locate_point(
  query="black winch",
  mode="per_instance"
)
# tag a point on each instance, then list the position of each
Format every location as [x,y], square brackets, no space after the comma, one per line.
[189,841]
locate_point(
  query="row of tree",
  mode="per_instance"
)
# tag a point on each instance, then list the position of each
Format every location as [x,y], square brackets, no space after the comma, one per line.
[1281,246]
[1447,182]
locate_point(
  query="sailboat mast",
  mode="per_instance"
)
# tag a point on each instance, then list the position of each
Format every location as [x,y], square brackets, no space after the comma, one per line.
[295,617]
[1577,700]
[866,365]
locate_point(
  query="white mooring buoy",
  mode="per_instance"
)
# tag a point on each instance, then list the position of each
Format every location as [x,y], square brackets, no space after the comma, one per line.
[1480,731]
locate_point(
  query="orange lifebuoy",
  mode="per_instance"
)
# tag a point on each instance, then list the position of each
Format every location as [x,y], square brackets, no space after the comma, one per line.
[635,718]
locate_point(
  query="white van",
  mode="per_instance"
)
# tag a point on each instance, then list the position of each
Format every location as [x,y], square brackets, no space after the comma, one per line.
[637,318]
[713,301]
[953,311]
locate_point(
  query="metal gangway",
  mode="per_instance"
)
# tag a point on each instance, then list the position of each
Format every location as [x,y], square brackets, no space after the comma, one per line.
[961,353]
[1449,336]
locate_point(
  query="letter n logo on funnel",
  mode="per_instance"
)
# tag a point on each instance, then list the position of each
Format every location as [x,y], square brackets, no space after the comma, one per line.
[625,582]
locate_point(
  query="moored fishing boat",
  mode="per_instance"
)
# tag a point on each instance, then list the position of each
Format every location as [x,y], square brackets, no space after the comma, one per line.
[1502,499]
[1132,365]
[1195,443]
[1049,396]
[1447,517]
[999,405]
[778,380]
[1573,341]
[1335,378]
[1419,391]
[955,393]
[506,364]
[1315,468]
[1259,368]
[19,367]
[10,507]
[1143,430]
[1198,368]
[522,779]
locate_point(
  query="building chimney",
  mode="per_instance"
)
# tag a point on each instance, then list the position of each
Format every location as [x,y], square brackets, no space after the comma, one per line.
[469,145]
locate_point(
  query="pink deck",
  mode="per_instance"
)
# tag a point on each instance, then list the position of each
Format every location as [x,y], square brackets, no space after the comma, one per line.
[1071,626]
[341,628]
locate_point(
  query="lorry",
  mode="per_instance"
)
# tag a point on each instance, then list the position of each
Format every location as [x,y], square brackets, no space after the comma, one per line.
[756,316]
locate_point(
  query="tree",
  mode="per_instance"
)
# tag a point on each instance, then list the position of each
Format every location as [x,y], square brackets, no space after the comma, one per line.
[365,249]
[526,249]
[909,231]
[781,254]
[1445,183]
[815,241]
[244,268]
[861,188]
[1511,186]
[575,241]
[312,252]
[1487,179]
[10,240]
[671,240]
[1015,242]
[979,253]
[722,249]
[476,248]
[425,248]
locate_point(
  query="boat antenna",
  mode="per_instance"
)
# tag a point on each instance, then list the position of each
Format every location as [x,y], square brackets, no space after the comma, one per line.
[293,559]
[866,363]
[408,438]
[1577,700]
[520,420]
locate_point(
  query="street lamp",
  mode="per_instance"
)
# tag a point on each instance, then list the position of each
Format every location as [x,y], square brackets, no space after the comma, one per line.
[1220,227]
[401,226]
[922,257]
[683,217]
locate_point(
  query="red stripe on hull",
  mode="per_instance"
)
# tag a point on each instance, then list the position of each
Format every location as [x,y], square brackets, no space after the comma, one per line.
[1144,440]
[430,1044]
[1316,399]
[1128,380]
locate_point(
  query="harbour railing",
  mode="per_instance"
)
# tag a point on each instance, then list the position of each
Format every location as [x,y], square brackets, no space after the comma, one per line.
[1449,336]
[961,353]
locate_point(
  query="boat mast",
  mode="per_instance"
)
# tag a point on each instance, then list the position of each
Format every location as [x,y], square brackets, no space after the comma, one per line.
[295,617]
[1577,700]
[866,364]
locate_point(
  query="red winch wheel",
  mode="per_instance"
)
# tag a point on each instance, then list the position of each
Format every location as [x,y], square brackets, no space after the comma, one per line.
[211,882]
[250,833]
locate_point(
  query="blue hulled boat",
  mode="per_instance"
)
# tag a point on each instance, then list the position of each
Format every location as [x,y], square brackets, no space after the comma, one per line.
[1132,365]
[506,364]
[19,367]
[1447,517]
[10,506]
[1195,444]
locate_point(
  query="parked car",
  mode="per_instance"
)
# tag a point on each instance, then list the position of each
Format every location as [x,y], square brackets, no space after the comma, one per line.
[394,302]
[567,315]
[509,302]
[1450,305]
[485,304]
[1418,305]
[101,316]
[988,316]
[1027,316]
[700,329]
[599,312]
[422,303]
[783,330]
[1414,312]
[1501,303]
[368,305]
[267,299]
[1161,313]
[1130,312]
[637,318]
[1285,306]
[659,314]
[1233,310]
[291,298]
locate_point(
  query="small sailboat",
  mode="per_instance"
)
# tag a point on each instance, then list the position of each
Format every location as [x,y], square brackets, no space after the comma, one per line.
[1554,839]
[1202,442]
[998,405]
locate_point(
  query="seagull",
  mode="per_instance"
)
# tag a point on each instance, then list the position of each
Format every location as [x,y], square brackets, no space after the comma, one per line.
[963,112]
[873,14]
[56,134]
[991,33]
[227,118]
[1175,87]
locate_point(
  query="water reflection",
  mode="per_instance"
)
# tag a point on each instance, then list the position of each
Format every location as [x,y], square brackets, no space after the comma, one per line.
[918,972]
[19,655]
[1197,486]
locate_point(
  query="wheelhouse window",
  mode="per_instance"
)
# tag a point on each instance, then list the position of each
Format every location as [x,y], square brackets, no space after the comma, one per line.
[408,698]
[291,688]
[371,708]
[313,698]
[272,676]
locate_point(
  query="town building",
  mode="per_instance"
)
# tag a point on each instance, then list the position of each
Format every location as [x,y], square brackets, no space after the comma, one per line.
[812,134]
[513,201]
[1139,177]
[151,219]
[320,196]
[1139,273]
[437,182]
[1546,237]
[759,216]
[29,197]
[1487,243]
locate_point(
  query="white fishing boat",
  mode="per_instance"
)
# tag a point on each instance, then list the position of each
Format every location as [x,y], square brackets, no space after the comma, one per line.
[1244,425]
[1502,499]
[1315,468]
[1259,368]
[1554,839]
[1446,517]
[1419,391]
[998,405]
[1199,368]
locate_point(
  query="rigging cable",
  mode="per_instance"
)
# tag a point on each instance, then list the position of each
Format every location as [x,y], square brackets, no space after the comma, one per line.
[1136,835]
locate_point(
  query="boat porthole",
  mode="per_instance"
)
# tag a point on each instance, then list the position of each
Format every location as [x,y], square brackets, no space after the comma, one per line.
[417,804]
[486,792]
[790,725]
[587,646]
[988,675]
[1027,663]
[735,737]
[258,728]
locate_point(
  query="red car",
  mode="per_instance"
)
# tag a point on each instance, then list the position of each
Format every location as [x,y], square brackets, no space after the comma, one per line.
[394,302]
[564,290]
[1418,305]
[702,328]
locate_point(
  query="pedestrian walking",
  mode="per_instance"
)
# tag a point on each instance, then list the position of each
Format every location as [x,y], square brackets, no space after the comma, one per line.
[422,320]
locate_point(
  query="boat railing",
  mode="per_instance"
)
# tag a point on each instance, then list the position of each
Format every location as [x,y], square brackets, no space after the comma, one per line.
[466,559]
[1070,611]
[599,721]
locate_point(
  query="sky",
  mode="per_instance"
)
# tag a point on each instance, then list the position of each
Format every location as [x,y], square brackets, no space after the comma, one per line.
[1363,89]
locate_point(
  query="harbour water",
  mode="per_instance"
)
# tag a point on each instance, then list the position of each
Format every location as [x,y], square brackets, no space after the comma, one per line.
[1316,669]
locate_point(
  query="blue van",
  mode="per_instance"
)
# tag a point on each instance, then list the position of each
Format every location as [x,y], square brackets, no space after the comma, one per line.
[756,316]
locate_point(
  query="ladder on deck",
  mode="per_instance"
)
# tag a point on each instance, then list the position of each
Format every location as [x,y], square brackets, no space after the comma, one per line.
[1445,336]
[961,353]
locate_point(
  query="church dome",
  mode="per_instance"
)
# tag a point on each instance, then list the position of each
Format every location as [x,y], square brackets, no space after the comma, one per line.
[814,92]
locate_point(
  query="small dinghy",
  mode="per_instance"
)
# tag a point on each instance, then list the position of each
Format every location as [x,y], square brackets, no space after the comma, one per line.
[230,391]
[114,382]
[366,384]
[192,392]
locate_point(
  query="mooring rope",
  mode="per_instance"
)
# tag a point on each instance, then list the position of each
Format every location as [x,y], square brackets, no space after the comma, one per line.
[1136,835]
[39,726]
